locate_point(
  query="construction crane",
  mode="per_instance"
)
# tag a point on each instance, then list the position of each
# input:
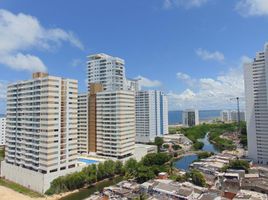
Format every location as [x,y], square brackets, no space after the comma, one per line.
[238,112]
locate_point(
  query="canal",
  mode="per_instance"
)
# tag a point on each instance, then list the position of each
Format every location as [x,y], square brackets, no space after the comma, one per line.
[185,162]
[86,192]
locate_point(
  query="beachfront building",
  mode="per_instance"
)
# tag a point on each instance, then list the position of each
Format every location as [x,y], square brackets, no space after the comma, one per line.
[115,123]
[256,87]
[151,115]
[106,70]
[2,131]
[190,117]
[232,116]
[82,123]
[41,131]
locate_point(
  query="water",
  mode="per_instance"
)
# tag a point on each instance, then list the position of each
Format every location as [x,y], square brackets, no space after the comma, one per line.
[175,117]
[208,146]
[185,162]
[85,193]
[87,161]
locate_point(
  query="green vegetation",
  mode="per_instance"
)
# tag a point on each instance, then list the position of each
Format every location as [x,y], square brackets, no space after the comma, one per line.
[196,178]
[215,131]
[2,154]
[204,154]
[243,135]
[174,130]
[158,141]
[237,164]
[19,188]
[142,171]
[176,147]
[166,146]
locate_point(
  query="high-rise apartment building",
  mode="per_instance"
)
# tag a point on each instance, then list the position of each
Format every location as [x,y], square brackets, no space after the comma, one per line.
[256,87]
[231,116]
[115,123]
[151,115]
[2,131]
[41,130]
[106,70]
[190,117]
[82,123]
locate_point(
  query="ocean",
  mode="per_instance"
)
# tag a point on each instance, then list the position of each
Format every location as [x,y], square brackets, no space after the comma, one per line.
[175,117]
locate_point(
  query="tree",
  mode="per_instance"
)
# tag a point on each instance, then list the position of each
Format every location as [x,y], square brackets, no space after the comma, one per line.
[176,147]
[237,164]
[119,167]
[109,168]
[158,142]
[197,178]
[130,168]
[166,146]
[204,154]
[155,159]
[144,173]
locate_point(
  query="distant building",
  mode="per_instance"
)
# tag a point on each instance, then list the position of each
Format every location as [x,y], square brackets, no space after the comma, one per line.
[190,117]
[41,131]
[151,115]
[133,85]
[115,123]
[256,87]
[231,116]
[2,131]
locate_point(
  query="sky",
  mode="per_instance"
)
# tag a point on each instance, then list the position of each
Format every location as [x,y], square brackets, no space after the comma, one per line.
[193,50]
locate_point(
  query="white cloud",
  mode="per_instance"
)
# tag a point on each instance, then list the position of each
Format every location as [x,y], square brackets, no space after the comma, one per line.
[20,33]
[145,82]
[186,78]
[23,62]
[183,3]
[206,55]
[76,62]
[210,93]
[252,7]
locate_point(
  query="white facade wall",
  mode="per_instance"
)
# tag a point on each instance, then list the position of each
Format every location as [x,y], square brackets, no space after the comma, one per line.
[190,117]
[151,115]
[115,123]
[107,70]
[41,125]
[256,86]
[231,116]
[82,123]
[2,131]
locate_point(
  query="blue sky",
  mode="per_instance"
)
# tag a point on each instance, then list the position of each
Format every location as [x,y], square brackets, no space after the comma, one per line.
[191,49]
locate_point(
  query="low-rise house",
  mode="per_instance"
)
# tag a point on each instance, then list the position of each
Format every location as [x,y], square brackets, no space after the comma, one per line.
[250,195]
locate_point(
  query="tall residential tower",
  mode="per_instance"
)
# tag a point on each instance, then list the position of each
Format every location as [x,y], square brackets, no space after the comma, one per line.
[41,130]
[256,88]
[151,115]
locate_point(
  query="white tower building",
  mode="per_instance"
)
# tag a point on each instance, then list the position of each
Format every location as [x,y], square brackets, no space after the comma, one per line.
[108,71]
[256,87]
[151,115]
[2,131]
[190,117]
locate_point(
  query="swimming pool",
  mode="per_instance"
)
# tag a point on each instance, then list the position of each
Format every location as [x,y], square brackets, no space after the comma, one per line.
[87,161]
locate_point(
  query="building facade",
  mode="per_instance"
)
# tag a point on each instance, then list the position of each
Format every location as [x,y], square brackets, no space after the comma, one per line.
[151,115]
[115,123]
[190,117]
[106,70]
[41,128]
[82,123]
[231,116]
[256,87]
[2,131]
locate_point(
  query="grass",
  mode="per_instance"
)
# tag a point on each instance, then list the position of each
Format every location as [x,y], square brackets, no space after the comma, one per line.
[18,188]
